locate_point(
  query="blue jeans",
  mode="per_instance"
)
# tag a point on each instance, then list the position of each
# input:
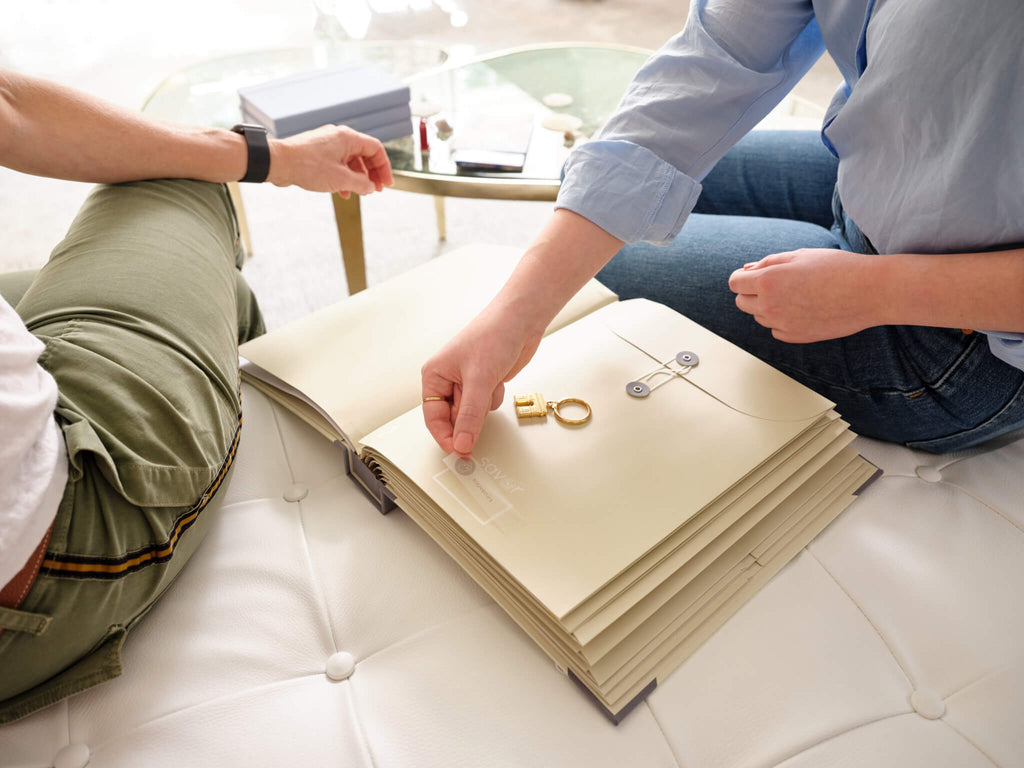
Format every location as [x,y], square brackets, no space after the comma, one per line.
[937,389]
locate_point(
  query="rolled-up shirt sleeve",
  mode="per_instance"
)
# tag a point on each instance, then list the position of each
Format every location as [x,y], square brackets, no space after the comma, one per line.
[639,177]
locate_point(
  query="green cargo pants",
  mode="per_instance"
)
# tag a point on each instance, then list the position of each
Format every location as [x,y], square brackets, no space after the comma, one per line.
[141,309]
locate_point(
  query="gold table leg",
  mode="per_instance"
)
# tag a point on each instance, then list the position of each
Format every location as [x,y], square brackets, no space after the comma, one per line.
[349,218]
[442,221]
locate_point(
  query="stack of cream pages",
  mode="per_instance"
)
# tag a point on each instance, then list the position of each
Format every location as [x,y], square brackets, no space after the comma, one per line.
[618,545]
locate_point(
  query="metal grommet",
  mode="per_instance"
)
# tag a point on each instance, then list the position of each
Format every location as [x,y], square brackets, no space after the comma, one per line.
[687,358]
[637,389]
[571,401]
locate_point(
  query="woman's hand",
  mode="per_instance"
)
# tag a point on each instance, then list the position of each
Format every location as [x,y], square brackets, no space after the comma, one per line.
[333,158]
[811,294]
[470,372]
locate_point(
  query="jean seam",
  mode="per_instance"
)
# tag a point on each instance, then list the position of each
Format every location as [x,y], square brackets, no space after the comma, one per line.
[955,365]
[799,374]
[943,378]
[979,428]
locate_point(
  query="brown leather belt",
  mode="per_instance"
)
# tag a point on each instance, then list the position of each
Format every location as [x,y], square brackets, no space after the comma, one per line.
[13,594]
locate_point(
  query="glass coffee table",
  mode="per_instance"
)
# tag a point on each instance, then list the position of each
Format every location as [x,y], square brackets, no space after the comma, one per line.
[568,84]
[206,94]
[577,85]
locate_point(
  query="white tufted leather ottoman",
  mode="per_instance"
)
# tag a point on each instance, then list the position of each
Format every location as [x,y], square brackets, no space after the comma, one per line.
[309,630]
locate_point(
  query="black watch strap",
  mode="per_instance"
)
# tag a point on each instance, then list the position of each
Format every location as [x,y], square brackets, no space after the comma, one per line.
[259,152]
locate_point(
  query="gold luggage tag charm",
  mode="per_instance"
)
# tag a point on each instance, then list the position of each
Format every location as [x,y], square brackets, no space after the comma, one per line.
[535,406]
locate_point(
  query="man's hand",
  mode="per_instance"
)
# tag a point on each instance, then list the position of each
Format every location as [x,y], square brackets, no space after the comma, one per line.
[330,159]
[810,294]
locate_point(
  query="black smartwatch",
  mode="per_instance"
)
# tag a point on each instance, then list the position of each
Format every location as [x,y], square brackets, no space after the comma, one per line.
[259,152]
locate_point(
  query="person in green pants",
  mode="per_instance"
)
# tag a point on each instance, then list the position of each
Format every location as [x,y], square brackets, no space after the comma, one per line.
[120,411]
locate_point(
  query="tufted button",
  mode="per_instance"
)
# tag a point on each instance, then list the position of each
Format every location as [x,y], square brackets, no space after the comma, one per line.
[72,756]
[340,666]
[929,474]
[927,704]
[295,492]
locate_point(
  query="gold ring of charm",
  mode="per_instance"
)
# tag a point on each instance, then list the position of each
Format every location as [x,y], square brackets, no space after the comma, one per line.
[554,406]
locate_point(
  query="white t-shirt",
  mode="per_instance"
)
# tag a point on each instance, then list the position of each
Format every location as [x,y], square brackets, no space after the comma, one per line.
[33,455]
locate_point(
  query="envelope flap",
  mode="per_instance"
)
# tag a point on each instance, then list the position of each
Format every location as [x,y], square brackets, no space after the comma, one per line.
[723,370]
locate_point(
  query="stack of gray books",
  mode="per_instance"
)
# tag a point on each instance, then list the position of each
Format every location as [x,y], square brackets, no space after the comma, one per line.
[363,97]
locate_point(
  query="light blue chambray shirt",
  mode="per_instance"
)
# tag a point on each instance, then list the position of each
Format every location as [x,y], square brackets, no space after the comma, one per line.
[928,125]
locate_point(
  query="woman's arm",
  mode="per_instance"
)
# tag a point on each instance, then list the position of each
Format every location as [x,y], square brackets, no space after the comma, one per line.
[471,370]
[48,129]
[636,180]
[811,295]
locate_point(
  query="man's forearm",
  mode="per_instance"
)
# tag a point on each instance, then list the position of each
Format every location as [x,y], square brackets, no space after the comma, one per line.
[48,129]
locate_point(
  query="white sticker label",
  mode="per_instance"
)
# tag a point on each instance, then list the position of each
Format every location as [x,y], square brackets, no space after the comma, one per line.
[481,486]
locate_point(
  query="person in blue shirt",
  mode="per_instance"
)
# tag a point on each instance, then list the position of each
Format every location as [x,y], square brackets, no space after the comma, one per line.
[880,262]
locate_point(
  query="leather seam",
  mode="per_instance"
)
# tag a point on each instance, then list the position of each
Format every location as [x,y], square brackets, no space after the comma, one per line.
[899,662]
